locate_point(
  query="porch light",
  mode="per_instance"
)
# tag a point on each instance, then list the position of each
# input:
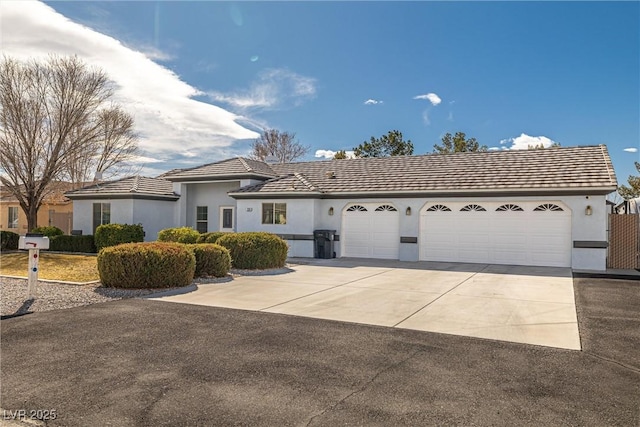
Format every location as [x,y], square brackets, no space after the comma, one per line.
[588,211]
[408,211]
[331,210]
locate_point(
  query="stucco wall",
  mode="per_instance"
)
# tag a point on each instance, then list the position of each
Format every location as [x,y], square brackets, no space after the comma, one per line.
[212,195]
[306,215]
[121,213]
[154,215]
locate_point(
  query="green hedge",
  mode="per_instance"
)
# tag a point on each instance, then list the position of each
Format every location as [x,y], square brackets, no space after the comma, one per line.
[255,250]
[115,234]
[9,240]
[178,235]
[146,265]
[83,244]
[211,259]
[48,231]
[211,237]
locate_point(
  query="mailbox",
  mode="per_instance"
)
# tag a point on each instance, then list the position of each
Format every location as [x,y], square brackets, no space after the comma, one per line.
[33,241]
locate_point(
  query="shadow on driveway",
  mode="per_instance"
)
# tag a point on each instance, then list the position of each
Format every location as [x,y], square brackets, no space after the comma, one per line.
[144,363]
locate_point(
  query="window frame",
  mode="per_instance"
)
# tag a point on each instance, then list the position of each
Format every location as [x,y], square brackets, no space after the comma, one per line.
[222,218]
[12,223]
[202,219]
[274,213]
[104,215]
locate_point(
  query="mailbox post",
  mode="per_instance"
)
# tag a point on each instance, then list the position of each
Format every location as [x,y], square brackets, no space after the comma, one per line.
[33,242]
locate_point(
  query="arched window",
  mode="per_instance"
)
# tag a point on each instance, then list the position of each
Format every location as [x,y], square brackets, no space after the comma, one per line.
[472,208]
[357,208]
[386,208]
[509,207]
[438,208]
[548,207]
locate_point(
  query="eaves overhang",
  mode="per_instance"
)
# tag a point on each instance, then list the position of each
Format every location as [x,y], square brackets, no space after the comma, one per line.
[135,196]
[231,177]
[565,191]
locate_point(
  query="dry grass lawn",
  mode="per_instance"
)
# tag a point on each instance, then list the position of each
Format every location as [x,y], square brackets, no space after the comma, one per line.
[68,268]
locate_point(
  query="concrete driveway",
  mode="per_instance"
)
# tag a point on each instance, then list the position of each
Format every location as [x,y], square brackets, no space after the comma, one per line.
[532,305]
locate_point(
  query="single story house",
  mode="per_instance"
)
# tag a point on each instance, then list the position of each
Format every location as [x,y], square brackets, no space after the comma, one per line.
[527,207]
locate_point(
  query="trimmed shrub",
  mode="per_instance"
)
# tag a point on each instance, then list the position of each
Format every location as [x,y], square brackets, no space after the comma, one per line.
[211,237]
[9,240]
[211,259]
[83,244]
[146,265]
[115,234]
[255,250]
[178,235]
[48,231]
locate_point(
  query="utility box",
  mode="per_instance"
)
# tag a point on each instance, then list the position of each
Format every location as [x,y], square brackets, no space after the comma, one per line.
[323,243]
[33,241]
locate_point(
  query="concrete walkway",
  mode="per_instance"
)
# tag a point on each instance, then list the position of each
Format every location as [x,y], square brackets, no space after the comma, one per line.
[533,305]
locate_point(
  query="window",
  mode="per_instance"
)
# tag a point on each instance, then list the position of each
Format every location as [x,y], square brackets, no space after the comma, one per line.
[548,207]
[438,208]
[226,218]
[473,208]
[202,219]
[274,213]
[13,217]
[101,214]
[509,207]
[357,208]
[383,208]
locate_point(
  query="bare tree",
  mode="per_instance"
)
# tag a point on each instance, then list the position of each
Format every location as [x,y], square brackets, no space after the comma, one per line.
[52,114]
[112,152]
[282,145]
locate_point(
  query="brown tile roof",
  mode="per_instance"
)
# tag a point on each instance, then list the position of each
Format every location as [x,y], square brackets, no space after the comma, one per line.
[576,169]
[130,187]
[238,167]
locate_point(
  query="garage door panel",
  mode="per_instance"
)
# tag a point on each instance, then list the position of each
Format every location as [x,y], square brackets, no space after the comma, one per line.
[371,233]
[497,235]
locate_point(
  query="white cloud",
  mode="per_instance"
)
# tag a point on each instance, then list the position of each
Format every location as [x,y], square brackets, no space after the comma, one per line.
[631,150]
[431,97]
[166,115]
[525,141]
[372,102]
[425,117]
[328,154]
[274,88]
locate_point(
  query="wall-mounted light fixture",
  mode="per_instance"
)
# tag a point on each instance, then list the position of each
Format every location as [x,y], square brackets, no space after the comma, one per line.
[588,210]
[408,211]
[331,210]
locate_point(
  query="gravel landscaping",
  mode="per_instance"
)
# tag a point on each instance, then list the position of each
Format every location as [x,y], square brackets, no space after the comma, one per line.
[56,296]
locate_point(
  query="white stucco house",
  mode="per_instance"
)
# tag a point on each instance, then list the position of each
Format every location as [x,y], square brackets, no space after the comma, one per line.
[527,207]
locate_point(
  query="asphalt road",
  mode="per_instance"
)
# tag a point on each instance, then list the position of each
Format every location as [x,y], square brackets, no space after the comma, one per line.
[151,363]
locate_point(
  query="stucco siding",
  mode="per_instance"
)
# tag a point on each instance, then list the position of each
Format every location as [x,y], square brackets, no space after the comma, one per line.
[212,195]
[154,215]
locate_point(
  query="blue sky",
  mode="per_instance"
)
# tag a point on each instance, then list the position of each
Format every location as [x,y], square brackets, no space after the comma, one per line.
[202,77]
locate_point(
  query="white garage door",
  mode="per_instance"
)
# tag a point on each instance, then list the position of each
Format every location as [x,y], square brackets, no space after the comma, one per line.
[370,231]
[518,233]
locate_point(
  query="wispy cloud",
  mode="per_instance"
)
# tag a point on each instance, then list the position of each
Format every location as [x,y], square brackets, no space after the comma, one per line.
[274,88]
[373,102]
[524,141]
[431,97]
[328,154]
[631,150]
[167,117]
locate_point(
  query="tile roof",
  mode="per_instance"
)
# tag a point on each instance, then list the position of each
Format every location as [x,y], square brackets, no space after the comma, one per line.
[132,186]
[236,167]
[548,170]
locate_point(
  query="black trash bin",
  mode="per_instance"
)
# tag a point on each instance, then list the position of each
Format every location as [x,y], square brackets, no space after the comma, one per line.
[323,243]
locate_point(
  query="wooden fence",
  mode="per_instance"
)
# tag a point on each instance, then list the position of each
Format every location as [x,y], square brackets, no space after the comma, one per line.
[624,241]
